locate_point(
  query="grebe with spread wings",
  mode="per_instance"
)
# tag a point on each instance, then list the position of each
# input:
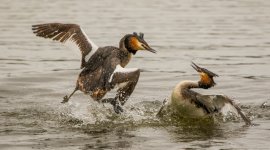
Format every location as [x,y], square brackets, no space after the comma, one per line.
[193,104]
[103,67]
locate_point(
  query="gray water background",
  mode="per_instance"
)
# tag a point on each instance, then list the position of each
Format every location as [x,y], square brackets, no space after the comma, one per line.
[229,37]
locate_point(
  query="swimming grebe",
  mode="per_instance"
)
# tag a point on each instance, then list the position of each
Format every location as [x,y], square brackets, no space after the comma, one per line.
[189,103]
[103,67]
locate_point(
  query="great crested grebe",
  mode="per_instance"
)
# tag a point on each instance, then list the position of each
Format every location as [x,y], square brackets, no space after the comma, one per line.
[103,67]
[189,103]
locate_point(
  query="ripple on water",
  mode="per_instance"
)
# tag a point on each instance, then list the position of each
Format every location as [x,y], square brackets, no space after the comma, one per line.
[98,117]
[228,37]
[97,121]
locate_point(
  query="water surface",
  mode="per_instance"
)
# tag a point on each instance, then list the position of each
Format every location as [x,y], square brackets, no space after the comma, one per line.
[228,37]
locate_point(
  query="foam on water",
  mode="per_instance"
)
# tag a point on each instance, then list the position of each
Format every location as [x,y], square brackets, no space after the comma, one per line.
[228,37]
[94,112]
[143,113]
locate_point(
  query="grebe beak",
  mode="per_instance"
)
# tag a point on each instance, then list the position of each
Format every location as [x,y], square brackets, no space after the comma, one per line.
[203,70]
[151,50]
[196,67]
[148,48]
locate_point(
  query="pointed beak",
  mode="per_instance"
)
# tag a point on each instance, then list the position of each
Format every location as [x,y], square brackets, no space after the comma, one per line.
[203,70]
[145,46]
[151,50]
[196,67]
[148,48]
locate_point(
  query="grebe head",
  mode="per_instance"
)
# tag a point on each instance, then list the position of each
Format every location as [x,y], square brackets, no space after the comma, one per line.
[134,42]
[206,77]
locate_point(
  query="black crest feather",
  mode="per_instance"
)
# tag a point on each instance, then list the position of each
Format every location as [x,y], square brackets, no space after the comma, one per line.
[141,35]
[135,33]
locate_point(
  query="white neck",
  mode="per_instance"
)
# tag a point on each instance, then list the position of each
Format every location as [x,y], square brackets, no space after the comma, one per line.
[182,89]
[187,84]
[183,86]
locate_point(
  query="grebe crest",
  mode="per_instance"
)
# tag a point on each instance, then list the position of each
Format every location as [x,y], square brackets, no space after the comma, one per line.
[134,42]
[206,77]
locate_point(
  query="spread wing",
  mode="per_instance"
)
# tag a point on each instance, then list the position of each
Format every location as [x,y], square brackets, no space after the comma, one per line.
[71,35]
[219,103]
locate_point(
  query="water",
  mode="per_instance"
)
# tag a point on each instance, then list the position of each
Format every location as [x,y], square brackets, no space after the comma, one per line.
[231,38]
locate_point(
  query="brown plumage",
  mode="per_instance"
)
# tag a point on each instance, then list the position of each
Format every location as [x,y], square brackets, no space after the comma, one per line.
[63,32]
[104,69]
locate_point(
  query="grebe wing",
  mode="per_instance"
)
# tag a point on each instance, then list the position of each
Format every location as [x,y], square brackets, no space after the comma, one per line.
[205,102]
[71,35]
[99,58]
[108,59]
[219,99]
[213,103]
[220,103]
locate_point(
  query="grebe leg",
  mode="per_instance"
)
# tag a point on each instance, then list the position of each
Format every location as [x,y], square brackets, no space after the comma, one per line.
[126,82]
[66,98]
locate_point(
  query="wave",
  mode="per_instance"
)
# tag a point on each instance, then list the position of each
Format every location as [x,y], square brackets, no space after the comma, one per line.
[96,118]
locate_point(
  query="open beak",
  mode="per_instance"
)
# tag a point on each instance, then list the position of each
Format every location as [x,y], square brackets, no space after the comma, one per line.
[196,67]
[203,70]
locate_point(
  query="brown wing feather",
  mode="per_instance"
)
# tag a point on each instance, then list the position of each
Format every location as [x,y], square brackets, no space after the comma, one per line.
[214,103]
[63,33]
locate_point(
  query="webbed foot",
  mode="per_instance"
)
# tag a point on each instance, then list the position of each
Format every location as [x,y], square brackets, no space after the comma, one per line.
[117,109]
[65,99]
